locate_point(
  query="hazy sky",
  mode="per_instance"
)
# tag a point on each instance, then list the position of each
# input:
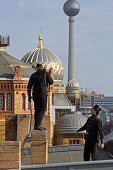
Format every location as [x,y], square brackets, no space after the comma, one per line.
[22,20]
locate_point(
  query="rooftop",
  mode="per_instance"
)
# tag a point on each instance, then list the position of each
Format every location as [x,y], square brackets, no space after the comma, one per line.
[8,63]
[61,99]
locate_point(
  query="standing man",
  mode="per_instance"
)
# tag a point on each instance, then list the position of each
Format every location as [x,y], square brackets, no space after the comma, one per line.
[93,128]
[39,81]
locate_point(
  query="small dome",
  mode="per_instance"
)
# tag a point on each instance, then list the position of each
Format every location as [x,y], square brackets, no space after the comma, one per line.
[47,59]
[71,7]
[69,123]
[72,86]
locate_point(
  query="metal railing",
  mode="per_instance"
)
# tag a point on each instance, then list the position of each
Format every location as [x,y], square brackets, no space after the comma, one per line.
[91,165]
[29,127]
[108,137]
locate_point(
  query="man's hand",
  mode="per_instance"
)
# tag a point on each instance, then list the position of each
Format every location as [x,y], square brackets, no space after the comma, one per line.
[102,146]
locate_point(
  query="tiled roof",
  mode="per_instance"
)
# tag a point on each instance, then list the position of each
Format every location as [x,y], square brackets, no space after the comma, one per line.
[8,63]
[61,99]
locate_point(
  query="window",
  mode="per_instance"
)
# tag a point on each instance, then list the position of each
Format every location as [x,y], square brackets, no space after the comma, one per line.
[27,103]
[77,141]
[22,101]
[9,101]
[74,141]
[70,141]
[1,101]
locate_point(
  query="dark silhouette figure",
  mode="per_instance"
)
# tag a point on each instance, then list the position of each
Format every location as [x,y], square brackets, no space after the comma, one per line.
[93,128]
[39,81]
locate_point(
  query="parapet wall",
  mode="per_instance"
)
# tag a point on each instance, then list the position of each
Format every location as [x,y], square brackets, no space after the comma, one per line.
[90,165]
[10,155]
[17,126]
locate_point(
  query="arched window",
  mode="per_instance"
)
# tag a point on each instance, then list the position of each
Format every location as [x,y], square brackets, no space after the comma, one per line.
[74,141]
[1,101]
[77,141]
[70,141]
[27,103]
[23,101]
[9,101]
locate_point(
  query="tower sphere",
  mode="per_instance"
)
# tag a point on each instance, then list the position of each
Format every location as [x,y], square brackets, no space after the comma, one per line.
[71,8]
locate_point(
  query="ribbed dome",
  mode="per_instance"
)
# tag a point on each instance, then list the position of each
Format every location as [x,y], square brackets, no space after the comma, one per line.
[70,123]
[72,86]
[47,58]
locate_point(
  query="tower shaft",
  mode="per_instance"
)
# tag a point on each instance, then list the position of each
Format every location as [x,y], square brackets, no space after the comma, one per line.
[71,53]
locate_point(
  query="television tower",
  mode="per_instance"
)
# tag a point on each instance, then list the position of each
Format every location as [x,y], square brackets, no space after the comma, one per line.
[71,8]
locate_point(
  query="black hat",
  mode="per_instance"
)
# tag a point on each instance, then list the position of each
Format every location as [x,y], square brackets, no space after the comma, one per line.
[38,65]
[97,108]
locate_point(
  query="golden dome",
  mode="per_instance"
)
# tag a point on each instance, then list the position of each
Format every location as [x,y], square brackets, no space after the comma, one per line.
[72,86]
[47,59]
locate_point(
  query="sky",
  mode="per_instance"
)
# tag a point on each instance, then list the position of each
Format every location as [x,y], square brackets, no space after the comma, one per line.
[23,19]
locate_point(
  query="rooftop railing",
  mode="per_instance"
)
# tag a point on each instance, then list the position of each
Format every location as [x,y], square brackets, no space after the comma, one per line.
[91,165]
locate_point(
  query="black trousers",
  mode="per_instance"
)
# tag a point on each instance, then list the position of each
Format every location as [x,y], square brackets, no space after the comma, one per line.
[40,104]
[91,148]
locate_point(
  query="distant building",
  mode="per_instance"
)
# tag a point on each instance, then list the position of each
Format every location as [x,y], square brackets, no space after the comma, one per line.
[73,93]
[86,111]
[103,116]
[61,105]
[104,102]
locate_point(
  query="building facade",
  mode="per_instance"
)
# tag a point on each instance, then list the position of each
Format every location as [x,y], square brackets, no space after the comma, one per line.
[105,102]
[14,106]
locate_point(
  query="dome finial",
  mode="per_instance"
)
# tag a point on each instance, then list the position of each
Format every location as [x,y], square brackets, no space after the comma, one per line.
[40,40]
[73,78]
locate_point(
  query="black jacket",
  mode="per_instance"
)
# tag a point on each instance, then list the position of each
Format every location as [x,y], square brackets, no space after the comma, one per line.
[93,128]
[39,81]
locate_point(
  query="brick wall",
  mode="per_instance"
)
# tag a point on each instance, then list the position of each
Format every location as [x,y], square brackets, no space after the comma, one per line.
[16,127]
[22,126]
[39,147]
[10,155]
[2,130]
[48,124]
[11,127]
